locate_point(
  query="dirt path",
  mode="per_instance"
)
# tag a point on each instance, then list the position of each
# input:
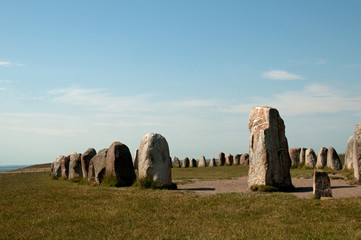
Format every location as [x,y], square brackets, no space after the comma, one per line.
[340,189]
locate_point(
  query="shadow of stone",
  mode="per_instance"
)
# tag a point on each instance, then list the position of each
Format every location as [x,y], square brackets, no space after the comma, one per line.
[334,187]
[303,189]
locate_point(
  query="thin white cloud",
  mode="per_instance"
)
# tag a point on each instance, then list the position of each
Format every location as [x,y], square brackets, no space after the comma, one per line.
[2,89]
[4,63]
[10,64]
[280,75]
[320,61]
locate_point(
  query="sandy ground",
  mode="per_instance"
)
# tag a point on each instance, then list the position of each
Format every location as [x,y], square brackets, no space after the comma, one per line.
[340,189]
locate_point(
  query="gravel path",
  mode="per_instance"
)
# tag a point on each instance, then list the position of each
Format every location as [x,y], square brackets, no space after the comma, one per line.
[340,189]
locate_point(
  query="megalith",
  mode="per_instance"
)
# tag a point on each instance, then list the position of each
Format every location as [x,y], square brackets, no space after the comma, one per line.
[119,164]
[75,168]
[333,160]
[321,184]
[237,159]
[349,154]
[65,166]
[302,156]
[85,160]
[357,152]
[295,156]
[193,163]
[135,160]
[176,162]
[229,159]
[56,166]
[311,158]
[322,158]
[212,162]
[97,166]
[202,162]
[244,159]
[269,160]
[221,159]
[185,162]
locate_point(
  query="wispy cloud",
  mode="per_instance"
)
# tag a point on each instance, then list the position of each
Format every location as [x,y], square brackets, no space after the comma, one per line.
[8,64]
[280,75]
[2,89]
[4,63]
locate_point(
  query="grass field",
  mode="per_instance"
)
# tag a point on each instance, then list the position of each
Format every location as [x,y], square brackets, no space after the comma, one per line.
[33,206]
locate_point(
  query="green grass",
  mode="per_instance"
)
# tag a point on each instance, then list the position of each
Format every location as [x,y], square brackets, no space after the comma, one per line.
[34,206]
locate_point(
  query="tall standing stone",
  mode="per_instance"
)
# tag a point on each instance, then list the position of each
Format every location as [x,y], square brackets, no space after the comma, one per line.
[237,159]
[202,162]
[193,163]
[135,160]
[311,158]
[303,156]
[244,159]
[85,160]
[75,168]
[322,158]
[153,159]
[119,164]
[176,162]
[65,166]
[269,160]
[333,160]
[349,154]
[97,166]
[221,159]
[295,156]
[357,152]
[321,184]
[212,162]
[229,159]
[56,167]
[185,162]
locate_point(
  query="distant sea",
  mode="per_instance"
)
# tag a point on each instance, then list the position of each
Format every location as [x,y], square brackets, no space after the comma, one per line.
[6,168]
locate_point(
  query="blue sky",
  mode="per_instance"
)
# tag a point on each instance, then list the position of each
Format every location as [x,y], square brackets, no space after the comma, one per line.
[79,74]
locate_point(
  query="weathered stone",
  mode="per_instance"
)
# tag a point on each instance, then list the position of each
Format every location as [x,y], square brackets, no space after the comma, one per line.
[85,160]
[221,159]
[176,162]
[119,164]
[185,163]
[135,160]
[295,156]
[322,158]
[237,159]
[193,163]
[154,160]
[333,160]
[202,162]
[302,156]
[97,166]
[321,185]
[244,159]
[311,158]
[65,166]
[357,152]
[269,159]
[229,159]
[75,168]
[349,154]
[212,162]
[56,166]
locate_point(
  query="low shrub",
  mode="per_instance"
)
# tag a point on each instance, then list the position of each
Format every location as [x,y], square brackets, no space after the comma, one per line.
[148,182]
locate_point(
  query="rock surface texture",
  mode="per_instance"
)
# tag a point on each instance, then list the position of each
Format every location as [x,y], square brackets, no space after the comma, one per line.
[65,166]
[357,152]
[202,162]
[75,170]
[237,159]
[295,156]
[97,166]
[321,185]
[349,154]
[244,159]
[333,160]
[221,159]
[311,158]
[176,162]
[229,159]
[153,159]
[302,156]
[193,163]
[119,164]
[322,158]
[56,166]
[135,160]
[269,160]
[185,163]
[212,162]
[85,160]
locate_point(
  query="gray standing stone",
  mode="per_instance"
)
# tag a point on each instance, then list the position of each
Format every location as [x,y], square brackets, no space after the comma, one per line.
[176,162]
[295,156]
[311,158]
[349,154]
[56,166]
[119,164]
[97,166]
[244,159]
[135,160]
[193,163]
[75,168]
[357,152]
[185,163]
[154,159]
[333,160]
[85,160]
[269,160]
[212,162]
[229,159]
[321,185]
[302,156]
[221,159]
[65,166]
[237,159]
[202,162]
[322,158]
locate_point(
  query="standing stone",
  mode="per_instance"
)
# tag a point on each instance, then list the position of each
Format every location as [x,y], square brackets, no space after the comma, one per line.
[185,163]
[349,154]
[244,159]
[295,156]
[302,156]
[153,159]
[269,160]
[97,166]
[321,184]
[357,152]
[56,166]
[322,158]
[176,162]
[311,158]
[237,159]
[85,160]
[229,159]
[75,168]
[212,162]
[333,160]
[65,166]
[119,164]
[202,162]
[135,160]
[193,162]
[221,159]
